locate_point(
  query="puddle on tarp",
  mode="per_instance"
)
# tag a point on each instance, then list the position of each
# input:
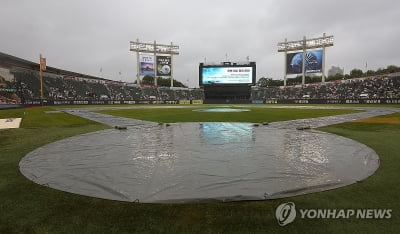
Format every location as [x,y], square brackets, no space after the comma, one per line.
[199,162]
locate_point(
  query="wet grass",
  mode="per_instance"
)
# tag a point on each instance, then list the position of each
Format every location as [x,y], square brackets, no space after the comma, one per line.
[26,207]
[255,115]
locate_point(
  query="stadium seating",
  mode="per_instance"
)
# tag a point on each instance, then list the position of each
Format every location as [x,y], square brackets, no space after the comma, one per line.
[360,88]
[58,87]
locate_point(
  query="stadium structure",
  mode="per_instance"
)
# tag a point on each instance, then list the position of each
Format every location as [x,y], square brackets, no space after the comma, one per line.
[226,82]
[182,154]
[20,84]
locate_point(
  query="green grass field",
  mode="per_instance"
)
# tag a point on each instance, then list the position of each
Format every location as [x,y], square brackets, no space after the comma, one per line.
[26,207]
[256,115]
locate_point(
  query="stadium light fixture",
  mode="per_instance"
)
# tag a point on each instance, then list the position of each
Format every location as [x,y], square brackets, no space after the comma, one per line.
[320,42]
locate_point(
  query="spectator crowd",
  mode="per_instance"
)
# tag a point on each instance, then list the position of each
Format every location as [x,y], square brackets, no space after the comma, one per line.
[360,88]
[56,87]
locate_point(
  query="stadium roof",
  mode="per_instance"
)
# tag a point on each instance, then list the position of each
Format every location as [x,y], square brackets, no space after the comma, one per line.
[6,59]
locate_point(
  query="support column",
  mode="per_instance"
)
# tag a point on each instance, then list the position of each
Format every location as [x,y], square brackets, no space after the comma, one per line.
[285,66]
[41,79]
[323,59]
[303,80]
[172,68]
[137,65]
[155,63]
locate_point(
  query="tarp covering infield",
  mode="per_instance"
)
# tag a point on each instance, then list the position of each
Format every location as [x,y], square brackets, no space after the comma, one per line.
[198,162]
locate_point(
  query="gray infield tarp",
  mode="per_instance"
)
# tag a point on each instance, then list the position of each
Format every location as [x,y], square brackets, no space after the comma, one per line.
[198,162]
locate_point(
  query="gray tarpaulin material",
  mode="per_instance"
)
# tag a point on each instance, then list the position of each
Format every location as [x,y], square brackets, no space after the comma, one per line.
[199,162]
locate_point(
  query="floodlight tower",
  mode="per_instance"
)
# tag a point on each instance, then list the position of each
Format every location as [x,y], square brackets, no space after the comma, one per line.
[304,45]
[153,48]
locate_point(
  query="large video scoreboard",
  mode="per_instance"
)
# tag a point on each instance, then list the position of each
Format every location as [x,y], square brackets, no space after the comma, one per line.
[227,74]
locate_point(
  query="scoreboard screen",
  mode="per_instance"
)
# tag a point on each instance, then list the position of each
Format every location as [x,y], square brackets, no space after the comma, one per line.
[227,75]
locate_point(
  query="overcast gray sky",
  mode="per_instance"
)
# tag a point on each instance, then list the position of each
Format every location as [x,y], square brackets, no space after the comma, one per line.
[86,35]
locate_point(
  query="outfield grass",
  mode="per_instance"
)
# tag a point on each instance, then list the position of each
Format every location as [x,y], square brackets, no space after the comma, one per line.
[255,115]
[29,208]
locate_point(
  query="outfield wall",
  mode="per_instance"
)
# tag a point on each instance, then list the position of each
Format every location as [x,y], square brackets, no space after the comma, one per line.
[328,101]
[207,101]
[106,102]
[10,106]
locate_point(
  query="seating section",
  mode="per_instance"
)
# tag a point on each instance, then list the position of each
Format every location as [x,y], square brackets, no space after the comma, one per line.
[28,84]
[57,87]
[361,88]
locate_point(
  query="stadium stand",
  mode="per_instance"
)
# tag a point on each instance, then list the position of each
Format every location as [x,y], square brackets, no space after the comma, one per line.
[19,83]
[361,88]
[59,87]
